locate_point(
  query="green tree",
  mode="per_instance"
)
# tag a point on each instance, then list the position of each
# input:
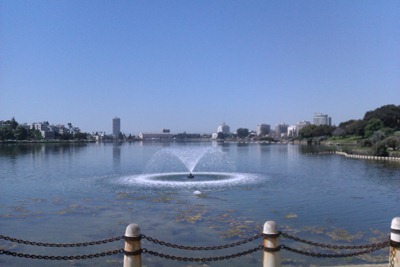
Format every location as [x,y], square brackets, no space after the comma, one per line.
[80,136]
[221,135]
[372,126]
[242,132]
[340,132]
[388,114]
[393,142]
[21,133]
[307,131]
[377,136]
[67,136]
[34,134]
[13,123]
[356,127]
[323,130]
[380,149]
[6,133]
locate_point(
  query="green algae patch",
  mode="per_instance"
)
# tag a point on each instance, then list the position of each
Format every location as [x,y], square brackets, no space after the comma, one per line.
[343,235]
[291,216]
[192,215]
[164,198]
[238,229]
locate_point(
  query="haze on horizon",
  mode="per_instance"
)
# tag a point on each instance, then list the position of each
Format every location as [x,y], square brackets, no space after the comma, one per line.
[191,65]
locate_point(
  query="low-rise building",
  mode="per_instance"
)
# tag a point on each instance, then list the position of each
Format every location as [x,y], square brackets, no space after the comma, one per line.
[44,128]
[300,125]
[155,136]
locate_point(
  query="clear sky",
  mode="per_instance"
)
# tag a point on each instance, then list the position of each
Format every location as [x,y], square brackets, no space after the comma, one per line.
[190,65]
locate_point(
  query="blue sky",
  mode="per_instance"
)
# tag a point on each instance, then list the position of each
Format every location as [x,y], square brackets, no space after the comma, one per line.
[191,65]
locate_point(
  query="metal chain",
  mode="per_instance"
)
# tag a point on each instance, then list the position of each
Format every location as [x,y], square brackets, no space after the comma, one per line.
[369,248]
[220,258]
[375,245]
[231,245]
[64,245]
[392,257]
[322,255]
[59,258]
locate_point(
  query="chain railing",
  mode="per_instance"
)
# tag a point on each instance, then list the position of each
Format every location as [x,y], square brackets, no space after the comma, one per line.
[367,248]
[231,245]
[61,258]
[202,248]
[61,245]
[270,248]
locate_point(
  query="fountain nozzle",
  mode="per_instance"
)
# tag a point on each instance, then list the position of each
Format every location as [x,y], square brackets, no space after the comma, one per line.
[191,176]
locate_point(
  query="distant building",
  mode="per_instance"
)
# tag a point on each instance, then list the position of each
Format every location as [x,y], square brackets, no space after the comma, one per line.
[321,119]
[116,127]
[263,129]
[281,130]
[155,136]
[223,128]
[301,124]
[59,129]
[44,128]
[292,131]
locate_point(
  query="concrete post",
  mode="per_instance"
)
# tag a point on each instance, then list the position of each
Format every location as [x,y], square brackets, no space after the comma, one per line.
[271,255]
[394,256]
[133,247]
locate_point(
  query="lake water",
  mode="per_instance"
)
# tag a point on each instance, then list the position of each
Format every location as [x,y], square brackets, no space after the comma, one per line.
[70,193]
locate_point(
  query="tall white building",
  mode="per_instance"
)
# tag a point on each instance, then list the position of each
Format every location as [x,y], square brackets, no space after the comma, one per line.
[321,119]
[223,128]
[116,127]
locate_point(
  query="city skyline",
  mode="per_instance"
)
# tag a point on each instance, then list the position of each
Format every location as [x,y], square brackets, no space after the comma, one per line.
[222,127]
[189,66]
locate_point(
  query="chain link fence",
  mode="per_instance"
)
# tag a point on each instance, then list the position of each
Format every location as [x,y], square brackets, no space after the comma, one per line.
[362,249]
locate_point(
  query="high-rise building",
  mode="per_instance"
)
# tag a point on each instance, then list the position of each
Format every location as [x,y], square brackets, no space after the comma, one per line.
[116,127]
[281,130]
[321,119]
[292,131]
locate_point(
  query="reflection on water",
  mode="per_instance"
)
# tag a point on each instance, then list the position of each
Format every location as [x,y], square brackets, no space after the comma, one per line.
[84,192]
[117,157]
[38,149]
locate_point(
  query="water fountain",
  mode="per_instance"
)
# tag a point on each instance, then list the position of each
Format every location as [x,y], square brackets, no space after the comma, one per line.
[207,167]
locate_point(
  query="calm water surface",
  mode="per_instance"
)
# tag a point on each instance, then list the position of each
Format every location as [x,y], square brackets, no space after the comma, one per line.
[77,193]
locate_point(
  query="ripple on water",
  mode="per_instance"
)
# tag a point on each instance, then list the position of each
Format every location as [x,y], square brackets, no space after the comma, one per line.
[180,180]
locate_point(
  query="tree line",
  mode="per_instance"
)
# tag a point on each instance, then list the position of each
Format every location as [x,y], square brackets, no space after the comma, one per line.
[379,130]
[12,130]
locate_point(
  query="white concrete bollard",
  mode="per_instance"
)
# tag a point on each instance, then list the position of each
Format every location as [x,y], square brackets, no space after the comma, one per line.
[271,255]
[394,256]
[133,247]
